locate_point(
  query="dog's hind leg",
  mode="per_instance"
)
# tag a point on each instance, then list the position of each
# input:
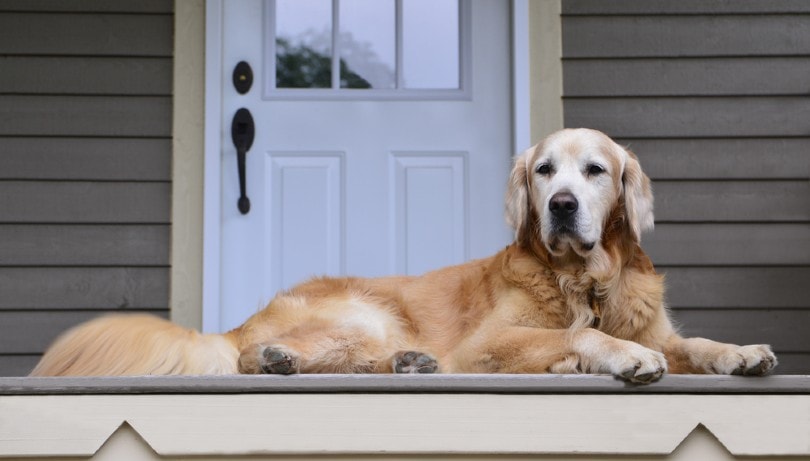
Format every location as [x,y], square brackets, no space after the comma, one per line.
[341,332]
[332,354]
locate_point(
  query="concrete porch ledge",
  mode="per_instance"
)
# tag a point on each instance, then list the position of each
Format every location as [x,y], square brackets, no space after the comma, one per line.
[403,384]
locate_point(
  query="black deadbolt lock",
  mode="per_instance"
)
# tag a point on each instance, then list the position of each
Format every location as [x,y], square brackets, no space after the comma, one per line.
[242,77]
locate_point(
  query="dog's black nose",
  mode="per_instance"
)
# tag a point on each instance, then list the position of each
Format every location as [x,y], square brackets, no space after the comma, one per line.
[563,204]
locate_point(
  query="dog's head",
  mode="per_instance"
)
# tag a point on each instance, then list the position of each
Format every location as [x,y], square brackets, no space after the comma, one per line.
[569,188]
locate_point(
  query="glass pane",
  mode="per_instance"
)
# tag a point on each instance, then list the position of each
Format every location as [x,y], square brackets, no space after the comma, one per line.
[303,43]
[430,37]
[368,44]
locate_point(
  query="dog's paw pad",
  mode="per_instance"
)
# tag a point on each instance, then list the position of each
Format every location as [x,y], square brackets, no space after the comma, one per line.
[752,360]
[642,365]
[758,360]
[278,361]
[414,362]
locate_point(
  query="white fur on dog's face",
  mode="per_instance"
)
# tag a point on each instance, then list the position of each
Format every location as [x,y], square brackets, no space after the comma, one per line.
[596,172]
[588,168]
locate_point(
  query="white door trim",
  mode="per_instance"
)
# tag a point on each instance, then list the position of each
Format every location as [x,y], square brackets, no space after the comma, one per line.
[213,115]
[212,190]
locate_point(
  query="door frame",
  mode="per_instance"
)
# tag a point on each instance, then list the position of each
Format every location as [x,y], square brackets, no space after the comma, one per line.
[521,138]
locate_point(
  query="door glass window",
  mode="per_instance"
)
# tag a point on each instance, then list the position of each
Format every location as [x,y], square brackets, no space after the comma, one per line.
[430,43]
[368,55]
[388,48]
[303,43]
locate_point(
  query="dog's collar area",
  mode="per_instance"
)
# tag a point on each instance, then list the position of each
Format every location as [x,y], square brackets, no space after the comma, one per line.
[596,307]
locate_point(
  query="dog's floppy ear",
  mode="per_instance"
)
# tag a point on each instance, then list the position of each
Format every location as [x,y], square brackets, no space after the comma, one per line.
[638,198]
[518,213]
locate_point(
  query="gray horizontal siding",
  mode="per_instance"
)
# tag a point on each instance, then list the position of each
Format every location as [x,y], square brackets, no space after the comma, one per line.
[30,332]
[781,328]
[85,75]
[90,6]
[792,363]
[84,202]
[85,166]
[774,158]
[690,7]
[686,77]
[713,97]
[104,159]
[65,288]
[684,117]
[84,245]
[700,201]
[729,244]
[685,36]
[17,364]
[754,287]
[48,34]
[142,116]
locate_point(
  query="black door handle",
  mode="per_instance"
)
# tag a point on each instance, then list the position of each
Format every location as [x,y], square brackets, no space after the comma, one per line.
[242,132]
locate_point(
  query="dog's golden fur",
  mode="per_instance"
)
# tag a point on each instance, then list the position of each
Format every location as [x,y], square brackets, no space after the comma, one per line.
[565,297]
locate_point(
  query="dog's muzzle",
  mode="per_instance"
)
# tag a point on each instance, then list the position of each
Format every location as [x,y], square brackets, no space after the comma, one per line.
[563,207]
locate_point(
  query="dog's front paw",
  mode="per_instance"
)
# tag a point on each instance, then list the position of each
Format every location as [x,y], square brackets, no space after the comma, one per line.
[414,362]
[752,360]
[600,353]
[278,360]
[639,364]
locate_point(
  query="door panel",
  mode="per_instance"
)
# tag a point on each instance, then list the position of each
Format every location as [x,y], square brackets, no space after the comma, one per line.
[400,177]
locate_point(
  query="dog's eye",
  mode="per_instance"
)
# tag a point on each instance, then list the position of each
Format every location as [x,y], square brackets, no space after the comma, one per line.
[595,170]
[543,169]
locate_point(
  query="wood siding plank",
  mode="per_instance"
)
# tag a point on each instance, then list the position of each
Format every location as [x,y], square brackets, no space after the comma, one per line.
[140,116]
[59,288]
[686,117]
[88,75]
[737,287]
[729,244]
[84,245]
[105,159]
[18,365]
[84,202]
[685,36]
[90,6]
[792,363]
[778,158]
[55,34]
[659,7]
[783,329]
[685,77]
[740,201]
[24,332]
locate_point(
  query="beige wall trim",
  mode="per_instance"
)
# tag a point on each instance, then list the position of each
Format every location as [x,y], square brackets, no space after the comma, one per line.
[187,163]
[375,424]
[545,45]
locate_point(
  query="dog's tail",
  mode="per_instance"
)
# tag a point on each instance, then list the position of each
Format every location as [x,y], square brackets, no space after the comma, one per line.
[119,345]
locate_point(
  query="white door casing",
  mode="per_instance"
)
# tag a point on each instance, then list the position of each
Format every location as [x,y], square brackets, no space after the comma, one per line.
[347,185]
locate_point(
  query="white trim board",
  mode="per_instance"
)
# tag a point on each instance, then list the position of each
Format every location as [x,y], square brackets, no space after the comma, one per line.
[243,424]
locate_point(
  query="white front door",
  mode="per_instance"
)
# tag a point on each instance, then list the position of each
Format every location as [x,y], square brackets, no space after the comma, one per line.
[383,140]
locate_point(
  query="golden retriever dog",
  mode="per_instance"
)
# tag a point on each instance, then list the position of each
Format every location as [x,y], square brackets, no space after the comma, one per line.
[574,293]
